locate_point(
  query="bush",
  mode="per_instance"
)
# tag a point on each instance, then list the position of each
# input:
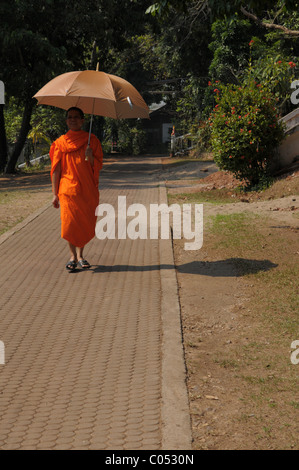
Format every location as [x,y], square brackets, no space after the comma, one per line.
[245,130]
[203,137]
[138,137]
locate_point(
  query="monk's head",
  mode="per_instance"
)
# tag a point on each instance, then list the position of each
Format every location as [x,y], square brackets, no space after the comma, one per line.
[74,119]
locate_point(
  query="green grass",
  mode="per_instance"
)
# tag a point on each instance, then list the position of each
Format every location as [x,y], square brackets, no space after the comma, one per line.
[217,196]
[236,233]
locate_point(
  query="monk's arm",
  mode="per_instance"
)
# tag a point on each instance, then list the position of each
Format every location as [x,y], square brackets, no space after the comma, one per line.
[55,185]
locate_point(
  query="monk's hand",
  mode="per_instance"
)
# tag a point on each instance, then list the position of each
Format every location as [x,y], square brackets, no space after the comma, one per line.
[88,154]
[55,202]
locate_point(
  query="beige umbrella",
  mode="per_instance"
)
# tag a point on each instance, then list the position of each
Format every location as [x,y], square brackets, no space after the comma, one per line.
[96,93]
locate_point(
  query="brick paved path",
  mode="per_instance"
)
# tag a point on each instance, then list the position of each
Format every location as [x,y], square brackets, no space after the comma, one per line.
[85,352]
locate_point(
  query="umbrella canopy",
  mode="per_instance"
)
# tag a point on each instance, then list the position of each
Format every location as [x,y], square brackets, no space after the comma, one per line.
[96,93]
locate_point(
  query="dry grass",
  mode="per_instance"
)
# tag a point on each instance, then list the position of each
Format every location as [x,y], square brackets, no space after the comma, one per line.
[240,301]
[21,195]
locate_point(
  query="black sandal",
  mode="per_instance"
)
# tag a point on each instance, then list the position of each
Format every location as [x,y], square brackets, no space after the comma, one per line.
[84,264]
[71,265]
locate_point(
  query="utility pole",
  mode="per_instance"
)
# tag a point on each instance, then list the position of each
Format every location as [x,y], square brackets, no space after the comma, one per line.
[172,144]
[3,143]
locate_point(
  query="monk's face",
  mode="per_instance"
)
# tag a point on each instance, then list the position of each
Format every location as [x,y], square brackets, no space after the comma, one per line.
[74,120]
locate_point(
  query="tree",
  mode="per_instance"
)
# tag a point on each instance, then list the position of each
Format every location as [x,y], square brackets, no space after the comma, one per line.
[231,32]
[229,45]
[3,143]
[38,41]
[41,40]
[264,13]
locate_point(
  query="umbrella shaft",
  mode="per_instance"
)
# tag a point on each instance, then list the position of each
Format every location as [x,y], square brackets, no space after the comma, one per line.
[90,126]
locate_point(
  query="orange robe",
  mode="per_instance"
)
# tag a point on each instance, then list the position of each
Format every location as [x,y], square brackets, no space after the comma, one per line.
[78,188]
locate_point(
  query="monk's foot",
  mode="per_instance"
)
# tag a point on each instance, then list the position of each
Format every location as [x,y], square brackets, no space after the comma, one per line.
[83,263]
[71,265]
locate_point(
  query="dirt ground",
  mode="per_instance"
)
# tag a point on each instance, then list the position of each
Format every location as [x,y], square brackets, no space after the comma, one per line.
[237,323]
[243,388]
[22,194]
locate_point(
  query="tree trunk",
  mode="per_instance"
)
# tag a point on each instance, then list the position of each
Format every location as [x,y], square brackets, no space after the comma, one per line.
[3,143]
[25,127]
[94,56]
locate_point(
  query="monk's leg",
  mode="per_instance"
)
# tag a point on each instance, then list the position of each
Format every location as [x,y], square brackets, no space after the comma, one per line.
[83,263]
[80,252]
[72,263]
[73,252]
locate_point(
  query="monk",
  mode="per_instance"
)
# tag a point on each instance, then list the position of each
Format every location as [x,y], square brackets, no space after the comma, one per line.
[75,173]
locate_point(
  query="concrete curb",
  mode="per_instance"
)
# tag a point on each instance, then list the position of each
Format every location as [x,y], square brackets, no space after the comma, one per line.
[176,423]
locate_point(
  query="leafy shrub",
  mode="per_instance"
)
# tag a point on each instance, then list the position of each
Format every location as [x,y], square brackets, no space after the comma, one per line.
[245,130]
[138,137]
[274,71]
[203,137]
[131,140]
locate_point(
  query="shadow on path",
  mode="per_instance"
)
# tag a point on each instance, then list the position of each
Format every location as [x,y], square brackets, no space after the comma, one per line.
[230,267]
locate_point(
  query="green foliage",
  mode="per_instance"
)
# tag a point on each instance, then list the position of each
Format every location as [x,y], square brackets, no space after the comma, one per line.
[223,8]
[162,7]
[229,45]
[203,137]
[50,121]
[165,54]
[189,104]
[37,135]
[274,70]
[13,120]
[127,134]
[39,40]
[245,130]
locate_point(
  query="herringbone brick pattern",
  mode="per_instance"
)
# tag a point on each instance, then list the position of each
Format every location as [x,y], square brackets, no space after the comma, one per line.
[82,350]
